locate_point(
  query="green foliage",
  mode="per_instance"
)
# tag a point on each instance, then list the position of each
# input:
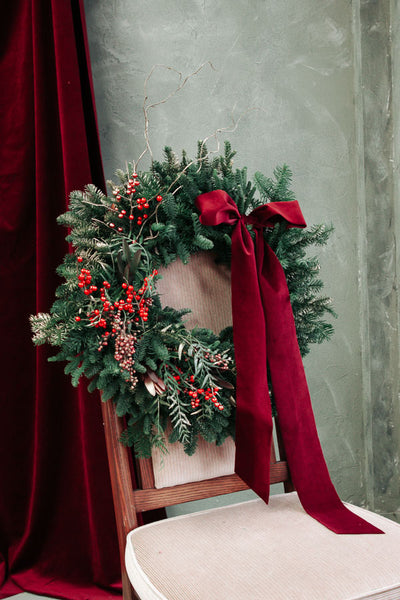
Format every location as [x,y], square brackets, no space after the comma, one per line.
[108,321]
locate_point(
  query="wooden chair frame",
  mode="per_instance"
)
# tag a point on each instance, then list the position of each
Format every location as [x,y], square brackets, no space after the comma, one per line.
[130,502]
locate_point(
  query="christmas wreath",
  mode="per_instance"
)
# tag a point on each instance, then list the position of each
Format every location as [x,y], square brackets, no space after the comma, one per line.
[108,319]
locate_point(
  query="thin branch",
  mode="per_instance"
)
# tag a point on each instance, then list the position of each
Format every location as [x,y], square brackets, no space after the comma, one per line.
[146,107]
[217,132]
[182,82]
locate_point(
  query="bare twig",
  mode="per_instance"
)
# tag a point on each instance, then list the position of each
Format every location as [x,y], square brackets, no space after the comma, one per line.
[215,135]
[146,107]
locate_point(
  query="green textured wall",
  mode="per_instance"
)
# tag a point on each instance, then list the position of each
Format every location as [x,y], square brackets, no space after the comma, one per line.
[318,79]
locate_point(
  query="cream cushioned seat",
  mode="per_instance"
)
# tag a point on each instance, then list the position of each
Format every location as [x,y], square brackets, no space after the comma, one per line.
[251,551]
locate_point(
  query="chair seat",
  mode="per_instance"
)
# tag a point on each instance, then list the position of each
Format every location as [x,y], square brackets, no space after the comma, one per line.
[254,551]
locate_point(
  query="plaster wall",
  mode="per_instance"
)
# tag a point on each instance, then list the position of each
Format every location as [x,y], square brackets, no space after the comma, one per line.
[307,85]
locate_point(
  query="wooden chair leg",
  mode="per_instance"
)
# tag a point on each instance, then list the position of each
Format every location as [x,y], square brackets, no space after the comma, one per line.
[128,592]
[121,483]
[288,484]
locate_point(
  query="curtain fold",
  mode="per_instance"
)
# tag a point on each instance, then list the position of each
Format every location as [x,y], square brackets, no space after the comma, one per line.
[57,529]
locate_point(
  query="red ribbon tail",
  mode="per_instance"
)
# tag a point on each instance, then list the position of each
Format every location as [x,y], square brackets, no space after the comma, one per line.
[303,450]
[253,407]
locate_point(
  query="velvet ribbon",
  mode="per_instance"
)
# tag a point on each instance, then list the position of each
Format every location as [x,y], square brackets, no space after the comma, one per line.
[264,333]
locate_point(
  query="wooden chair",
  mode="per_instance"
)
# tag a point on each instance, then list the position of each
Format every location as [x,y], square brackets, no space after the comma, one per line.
[248,550]
[242,551]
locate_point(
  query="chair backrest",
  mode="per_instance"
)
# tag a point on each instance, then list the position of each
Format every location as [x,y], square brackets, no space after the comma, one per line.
[174,478]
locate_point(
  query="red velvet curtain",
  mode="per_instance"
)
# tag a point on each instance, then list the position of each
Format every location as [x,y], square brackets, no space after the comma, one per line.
[57,530]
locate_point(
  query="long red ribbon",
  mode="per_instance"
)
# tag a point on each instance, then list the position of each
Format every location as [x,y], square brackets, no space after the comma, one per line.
[264,332]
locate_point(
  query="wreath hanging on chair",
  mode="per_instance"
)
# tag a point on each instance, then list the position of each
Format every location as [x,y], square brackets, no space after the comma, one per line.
[108,320]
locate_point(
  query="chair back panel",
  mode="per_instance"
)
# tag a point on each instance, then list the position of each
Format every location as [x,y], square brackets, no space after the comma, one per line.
[201,285]
[204,287]
[177,467]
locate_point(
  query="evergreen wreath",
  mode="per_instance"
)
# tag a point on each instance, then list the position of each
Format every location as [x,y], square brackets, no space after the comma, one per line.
[108,319]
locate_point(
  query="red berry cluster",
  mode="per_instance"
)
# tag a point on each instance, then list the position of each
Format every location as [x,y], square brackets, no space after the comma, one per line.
[135,302]
[133,183]
[84,279]
[126,304]
[209,394]
[96,319]
[218,361]
[196,394]
[141,203]
[131,187]
[117,194]
[139,296]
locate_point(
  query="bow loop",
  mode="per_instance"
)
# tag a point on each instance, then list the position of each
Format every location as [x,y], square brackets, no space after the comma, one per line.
[273,212]
[217,207]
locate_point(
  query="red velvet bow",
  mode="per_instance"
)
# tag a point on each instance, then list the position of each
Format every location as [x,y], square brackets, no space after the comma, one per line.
[264,332]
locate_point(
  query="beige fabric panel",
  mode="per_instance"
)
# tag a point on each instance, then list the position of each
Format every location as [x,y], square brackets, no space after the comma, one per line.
[263,552]
[202,286]
[177,467]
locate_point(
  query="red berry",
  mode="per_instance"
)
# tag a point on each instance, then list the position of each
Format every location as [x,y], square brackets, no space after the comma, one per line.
[80,259]
[159,198]
[77,319]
